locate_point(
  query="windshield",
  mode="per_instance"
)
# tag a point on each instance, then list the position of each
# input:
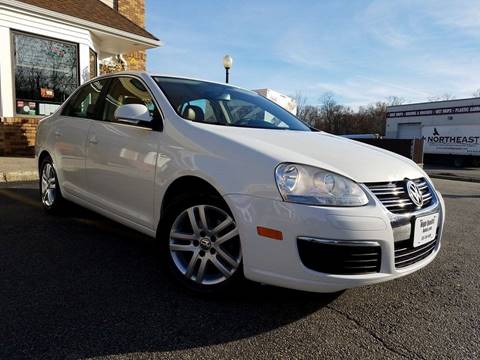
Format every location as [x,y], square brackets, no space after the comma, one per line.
[218,104]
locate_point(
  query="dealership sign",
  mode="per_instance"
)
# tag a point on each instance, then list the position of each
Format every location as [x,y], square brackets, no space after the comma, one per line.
[458,140]
[438,111]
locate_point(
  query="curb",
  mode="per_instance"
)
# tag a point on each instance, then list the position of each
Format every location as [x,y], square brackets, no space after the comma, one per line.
[18,176]
[454,178]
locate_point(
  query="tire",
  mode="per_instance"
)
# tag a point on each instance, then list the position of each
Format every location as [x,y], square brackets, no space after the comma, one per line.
[50,193]
[206,259]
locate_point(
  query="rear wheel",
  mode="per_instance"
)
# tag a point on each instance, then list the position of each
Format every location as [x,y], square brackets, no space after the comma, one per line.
[50,193]
[202,244]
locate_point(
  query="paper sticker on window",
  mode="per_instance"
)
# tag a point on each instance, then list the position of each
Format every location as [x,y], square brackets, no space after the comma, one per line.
[47,93]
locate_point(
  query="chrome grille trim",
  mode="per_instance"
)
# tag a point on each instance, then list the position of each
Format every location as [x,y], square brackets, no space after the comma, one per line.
[341,257]
[406,254]
[394,197]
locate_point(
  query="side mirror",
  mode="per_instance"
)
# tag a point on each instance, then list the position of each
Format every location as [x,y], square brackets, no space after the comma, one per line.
[136,114]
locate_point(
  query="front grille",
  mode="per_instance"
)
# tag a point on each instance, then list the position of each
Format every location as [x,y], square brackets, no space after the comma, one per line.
[339,259]
[394,196]
[406,254]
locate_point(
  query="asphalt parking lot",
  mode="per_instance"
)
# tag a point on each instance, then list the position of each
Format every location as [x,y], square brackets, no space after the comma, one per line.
[81,286]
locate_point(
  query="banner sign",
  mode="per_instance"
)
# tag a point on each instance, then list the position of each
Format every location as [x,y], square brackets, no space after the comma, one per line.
[440,111]
[449,139]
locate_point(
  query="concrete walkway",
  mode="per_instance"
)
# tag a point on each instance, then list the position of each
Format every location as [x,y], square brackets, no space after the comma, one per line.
[14,169]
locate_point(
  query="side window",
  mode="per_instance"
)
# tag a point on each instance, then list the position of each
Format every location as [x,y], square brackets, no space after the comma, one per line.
[84,103]
[123,91]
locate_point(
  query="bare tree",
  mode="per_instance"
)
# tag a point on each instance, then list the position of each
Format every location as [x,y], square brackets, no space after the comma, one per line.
[307,113]
[476,93]
[329,112]
[335,118]
[301,102]
[443,97]
[395,100]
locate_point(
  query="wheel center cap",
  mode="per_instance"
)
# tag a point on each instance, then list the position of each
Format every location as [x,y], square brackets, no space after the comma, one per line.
[205,243]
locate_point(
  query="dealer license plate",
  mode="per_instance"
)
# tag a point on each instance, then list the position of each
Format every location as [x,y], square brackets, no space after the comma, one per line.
[425,229]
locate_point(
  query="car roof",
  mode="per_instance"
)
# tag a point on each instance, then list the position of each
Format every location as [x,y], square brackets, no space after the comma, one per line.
[147,74]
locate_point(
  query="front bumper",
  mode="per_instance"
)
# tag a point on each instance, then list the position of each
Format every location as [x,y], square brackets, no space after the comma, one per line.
[278,263]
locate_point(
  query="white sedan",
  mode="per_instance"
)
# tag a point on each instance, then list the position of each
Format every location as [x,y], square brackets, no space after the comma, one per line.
[233,186]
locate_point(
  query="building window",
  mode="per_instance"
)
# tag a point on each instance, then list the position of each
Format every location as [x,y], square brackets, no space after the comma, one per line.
[93,64]
[46,73]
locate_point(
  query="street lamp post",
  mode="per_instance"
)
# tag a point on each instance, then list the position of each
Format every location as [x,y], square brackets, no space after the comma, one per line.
[227,64]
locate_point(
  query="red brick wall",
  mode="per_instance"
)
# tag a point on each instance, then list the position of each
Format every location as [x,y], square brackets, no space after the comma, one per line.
[134,10]
[17,136]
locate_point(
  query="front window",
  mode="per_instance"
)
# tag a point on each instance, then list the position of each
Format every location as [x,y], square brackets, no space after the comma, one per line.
[46,73]
[219,104]
[124,91]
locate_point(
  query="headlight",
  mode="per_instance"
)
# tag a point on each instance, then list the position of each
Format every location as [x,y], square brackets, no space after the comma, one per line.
[313,186]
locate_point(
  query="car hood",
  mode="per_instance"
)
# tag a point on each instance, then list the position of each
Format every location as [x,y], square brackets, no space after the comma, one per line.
[350,158]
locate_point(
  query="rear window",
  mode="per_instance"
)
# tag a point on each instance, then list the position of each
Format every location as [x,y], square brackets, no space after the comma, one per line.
[83,103]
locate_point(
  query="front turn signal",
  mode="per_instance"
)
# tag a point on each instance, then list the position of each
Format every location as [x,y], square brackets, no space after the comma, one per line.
[269,233]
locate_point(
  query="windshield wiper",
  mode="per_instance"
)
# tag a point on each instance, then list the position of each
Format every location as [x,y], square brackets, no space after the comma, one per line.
[259,127]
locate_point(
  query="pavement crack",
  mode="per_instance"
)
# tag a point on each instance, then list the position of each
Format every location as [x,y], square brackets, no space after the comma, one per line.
[375,336]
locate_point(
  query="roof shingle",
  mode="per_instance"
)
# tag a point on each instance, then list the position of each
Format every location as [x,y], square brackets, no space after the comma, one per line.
[94,11]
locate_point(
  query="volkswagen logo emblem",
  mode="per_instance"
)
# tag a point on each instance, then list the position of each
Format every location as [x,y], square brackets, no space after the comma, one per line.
[414,193]
[205,243]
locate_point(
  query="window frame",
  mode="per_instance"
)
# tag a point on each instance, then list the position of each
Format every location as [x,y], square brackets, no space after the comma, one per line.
[95,54]
[14,32]
[157,124]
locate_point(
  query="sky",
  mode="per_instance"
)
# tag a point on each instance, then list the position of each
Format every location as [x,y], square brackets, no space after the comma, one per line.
[360,51]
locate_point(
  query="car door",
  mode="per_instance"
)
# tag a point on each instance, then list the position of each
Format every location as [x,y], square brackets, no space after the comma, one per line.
[121,157]
[70,132]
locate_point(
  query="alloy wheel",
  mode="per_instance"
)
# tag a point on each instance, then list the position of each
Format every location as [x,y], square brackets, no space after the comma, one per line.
[49,185]
[205,245]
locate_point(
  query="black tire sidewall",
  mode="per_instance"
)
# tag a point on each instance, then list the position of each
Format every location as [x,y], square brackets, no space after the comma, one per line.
[171,213]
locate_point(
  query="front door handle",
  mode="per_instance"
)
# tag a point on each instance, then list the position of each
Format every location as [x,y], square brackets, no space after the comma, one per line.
[93,140]
[57,133]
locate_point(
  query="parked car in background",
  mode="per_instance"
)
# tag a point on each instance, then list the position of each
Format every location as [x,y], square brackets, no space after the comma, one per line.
[234,186]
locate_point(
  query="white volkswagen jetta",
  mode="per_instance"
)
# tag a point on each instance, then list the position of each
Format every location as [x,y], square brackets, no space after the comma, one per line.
[234,186]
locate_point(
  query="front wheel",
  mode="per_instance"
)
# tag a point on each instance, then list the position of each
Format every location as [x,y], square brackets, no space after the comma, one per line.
[202,244]
[50,193]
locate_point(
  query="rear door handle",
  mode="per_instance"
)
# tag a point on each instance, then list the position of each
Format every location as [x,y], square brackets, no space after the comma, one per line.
[57,133]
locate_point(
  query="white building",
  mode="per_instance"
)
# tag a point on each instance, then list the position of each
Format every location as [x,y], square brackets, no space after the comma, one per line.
[283,100]
[450,127]
[50,47]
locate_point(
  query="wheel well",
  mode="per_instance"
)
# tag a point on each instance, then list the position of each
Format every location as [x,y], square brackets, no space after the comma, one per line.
[184,186]
[42,157]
